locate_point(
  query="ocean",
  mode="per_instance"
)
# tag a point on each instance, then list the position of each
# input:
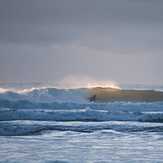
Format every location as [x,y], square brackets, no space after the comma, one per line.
[54,125]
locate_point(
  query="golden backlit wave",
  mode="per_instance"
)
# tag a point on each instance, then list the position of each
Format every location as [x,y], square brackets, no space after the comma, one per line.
[72,82]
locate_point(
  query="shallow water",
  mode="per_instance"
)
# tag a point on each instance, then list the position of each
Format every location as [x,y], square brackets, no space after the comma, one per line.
[78,147]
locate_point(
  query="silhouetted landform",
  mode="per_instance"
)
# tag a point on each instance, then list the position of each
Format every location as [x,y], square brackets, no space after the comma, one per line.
[99,94]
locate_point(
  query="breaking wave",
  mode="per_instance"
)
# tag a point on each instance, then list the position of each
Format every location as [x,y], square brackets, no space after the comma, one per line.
[79,95]
[36,110]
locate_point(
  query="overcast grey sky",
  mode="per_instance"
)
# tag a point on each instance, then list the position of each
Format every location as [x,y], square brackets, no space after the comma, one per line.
[47,40]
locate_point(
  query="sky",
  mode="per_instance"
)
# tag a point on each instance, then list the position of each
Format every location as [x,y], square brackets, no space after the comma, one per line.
[49,40]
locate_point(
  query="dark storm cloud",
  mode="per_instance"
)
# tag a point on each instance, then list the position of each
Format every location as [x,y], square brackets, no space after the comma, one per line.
[34,21]
[35,34]
[76,11]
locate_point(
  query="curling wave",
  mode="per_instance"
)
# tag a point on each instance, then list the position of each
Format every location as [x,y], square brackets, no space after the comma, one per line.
[80,95]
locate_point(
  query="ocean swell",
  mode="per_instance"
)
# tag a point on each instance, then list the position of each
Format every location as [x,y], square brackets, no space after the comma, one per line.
[25,110]
[25,128]
[51,105]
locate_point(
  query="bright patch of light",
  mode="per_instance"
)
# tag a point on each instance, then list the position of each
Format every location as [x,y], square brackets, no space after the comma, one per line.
[72,82]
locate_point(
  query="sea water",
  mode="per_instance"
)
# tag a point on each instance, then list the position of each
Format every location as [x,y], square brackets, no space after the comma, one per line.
[61,126]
